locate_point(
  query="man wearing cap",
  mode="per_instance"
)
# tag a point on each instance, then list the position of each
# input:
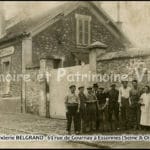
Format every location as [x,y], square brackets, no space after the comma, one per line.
[72,107]
[135,94]
[102,115]
[124,102]
[95,89]
[91,107]
[83,99]
[113,106]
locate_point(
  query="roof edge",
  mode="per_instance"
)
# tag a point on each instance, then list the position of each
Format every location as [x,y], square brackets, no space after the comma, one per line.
[125,54]
[14,38]
[111,22]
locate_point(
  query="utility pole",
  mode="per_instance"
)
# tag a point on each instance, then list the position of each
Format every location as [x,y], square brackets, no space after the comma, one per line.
[118,11]
[119,22]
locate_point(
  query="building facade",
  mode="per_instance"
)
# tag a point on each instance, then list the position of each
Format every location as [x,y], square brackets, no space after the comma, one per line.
[63,33]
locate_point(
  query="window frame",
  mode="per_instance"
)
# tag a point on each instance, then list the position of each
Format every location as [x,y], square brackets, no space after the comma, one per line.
[83,18]
[4,85]
[4,60]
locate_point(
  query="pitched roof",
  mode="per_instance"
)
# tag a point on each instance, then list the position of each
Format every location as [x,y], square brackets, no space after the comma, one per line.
[130,53]
[30,24]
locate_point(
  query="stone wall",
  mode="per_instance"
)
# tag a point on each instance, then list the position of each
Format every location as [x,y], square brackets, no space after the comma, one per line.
[15,68]
[42,96]
[32,91]
[60,38]
[125,66]
[15,87]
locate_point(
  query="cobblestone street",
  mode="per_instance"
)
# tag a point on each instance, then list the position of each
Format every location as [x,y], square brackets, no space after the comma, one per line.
[12,124]
[27,123]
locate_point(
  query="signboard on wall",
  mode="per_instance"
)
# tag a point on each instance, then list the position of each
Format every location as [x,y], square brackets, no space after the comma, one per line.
[7,51]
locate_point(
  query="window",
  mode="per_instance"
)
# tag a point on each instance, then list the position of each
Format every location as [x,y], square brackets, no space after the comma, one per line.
[57,63]
[83,29]
[6,64]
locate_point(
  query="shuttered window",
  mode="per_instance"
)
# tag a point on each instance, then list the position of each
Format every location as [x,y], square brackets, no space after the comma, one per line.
[83,35]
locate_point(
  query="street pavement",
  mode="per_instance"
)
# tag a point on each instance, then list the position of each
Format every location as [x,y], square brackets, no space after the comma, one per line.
[27,123]
[14,124]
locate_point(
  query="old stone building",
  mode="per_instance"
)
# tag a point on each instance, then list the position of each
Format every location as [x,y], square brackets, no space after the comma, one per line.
[63,33]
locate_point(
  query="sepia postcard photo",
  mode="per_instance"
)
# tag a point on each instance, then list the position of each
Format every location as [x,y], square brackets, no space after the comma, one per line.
[75,74]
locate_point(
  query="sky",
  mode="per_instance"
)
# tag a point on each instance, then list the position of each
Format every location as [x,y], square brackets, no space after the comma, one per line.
[136,20]
[134,15]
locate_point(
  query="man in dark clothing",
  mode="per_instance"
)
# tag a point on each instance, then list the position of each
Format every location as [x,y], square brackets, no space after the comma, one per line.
[135,94]
[82,119]
[96,93]
[113,106]
[95,89]
[102,112]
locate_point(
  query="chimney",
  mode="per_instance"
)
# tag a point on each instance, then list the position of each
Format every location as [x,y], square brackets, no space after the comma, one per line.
[2,19]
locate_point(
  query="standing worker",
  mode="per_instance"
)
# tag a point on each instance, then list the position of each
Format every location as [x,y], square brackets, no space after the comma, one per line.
[102,105]
[83,116]
[145,108]
[113,106]
[72,107]
[124,102]
[91,107]
[96,93]
[135,94]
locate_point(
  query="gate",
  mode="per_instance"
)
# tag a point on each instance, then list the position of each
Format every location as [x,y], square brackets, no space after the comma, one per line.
[59,89]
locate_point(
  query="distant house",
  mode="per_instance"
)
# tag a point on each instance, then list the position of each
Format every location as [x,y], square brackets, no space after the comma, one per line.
[63,32]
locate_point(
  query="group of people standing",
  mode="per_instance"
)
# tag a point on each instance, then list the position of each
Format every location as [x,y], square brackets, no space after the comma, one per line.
[100,110]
